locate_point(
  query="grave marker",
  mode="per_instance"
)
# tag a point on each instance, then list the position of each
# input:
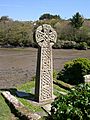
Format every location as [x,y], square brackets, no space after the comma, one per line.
[46,37]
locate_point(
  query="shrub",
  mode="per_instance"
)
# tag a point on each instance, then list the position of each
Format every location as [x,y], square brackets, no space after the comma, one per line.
[74,106]
[82,46]
[74,71]
[69,44]
[65,44]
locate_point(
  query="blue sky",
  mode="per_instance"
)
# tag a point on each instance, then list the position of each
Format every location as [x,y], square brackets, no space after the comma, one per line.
[33,9]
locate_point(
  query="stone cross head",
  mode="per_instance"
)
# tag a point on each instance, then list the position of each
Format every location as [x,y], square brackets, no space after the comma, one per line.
[45,36]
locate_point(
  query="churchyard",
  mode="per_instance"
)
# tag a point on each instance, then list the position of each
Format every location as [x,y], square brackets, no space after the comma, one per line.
[27,84]
[15,62]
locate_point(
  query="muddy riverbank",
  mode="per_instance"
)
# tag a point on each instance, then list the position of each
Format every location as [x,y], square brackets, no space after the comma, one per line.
[18,66]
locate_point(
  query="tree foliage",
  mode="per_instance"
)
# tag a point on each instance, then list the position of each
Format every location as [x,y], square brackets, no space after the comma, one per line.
[74,106]
[77,21]
[20,33]
[16,34]
[49,16]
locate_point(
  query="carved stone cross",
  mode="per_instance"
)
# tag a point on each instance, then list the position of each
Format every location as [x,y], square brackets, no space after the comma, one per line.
[46,37]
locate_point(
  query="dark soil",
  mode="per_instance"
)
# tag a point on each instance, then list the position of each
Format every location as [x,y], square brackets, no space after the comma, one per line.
[18,66]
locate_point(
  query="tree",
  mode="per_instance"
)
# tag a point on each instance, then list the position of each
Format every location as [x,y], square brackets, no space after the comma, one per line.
[77,21]
[49,16]
[5,18]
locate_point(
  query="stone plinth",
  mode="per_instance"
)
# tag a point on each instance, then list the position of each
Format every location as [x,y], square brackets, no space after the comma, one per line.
[18,108]
[45,37]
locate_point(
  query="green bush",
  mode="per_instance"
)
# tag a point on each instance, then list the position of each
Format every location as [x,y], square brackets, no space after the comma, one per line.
[74,106]
[74,71]
[69,44]
[82,46]
[65,44]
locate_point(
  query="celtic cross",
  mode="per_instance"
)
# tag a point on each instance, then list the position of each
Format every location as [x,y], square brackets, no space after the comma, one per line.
[46,37]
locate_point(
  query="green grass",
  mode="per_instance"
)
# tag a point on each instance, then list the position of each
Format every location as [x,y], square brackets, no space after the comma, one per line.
[63,85]
[5,113]
[31,106]
[29,88]
[58,90]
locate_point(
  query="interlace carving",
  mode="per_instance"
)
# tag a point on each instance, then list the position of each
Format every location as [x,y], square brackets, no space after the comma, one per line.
[46,37]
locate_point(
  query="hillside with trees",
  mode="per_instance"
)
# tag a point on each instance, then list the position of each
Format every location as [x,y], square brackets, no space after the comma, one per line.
[72,33]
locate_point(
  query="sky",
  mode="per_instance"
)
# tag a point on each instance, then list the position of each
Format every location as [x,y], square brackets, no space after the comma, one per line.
[26,10]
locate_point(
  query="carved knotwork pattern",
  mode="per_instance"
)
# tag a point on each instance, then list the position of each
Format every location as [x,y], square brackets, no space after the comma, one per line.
[46,78]
[46,37]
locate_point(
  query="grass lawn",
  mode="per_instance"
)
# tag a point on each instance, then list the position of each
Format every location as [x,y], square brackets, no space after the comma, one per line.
[29,88]
[5,113]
